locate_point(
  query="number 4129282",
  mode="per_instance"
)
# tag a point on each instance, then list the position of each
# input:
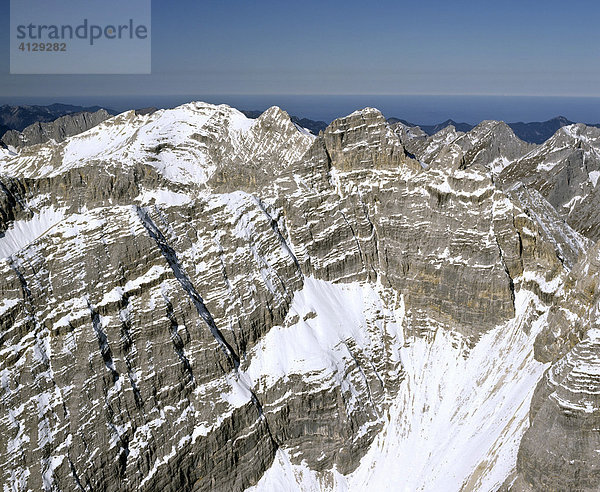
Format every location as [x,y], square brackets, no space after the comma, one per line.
[43,47]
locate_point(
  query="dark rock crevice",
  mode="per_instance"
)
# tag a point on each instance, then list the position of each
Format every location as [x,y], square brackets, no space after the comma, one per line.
[186,284]
[171,258]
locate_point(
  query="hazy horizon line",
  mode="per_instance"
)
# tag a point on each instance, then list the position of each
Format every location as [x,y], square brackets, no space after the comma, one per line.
[266,94]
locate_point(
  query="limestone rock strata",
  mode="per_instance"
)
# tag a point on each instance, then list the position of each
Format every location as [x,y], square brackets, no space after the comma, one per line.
[491,144]
[191,300]
[559,451]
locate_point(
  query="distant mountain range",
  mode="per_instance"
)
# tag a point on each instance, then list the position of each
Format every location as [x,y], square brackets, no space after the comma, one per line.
[535,132]
[20,117]
[540,132]
[57,130]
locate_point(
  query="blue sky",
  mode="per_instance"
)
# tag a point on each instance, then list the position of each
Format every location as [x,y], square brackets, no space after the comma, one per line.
[351,47]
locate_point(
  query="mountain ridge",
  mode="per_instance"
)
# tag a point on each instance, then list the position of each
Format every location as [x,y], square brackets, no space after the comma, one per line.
[18,117]
[258,307]
[531,132]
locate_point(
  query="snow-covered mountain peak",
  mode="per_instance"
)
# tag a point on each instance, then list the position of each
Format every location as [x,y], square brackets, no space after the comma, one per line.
[565,170]
[491,144]
[184,144]
[498,133]
[366,112]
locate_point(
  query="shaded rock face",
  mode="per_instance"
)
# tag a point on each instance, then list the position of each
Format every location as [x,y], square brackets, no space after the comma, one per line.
[57,130]
[190,300]
[148,110]
[566,171]
[20,117]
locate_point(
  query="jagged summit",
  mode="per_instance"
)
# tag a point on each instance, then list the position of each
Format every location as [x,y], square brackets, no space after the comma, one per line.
[365,139]
[579,131]
[491,144]
[275,112]
[565,170]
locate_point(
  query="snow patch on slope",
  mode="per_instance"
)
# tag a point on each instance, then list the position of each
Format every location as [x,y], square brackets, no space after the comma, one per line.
[23,232]
[456,422]
[327,316]
[163,197]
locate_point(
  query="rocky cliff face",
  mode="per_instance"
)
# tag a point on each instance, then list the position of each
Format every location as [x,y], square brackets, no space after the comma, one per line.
[193,300]
[491,144]
[57,130]
[565,408]
[565,170]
